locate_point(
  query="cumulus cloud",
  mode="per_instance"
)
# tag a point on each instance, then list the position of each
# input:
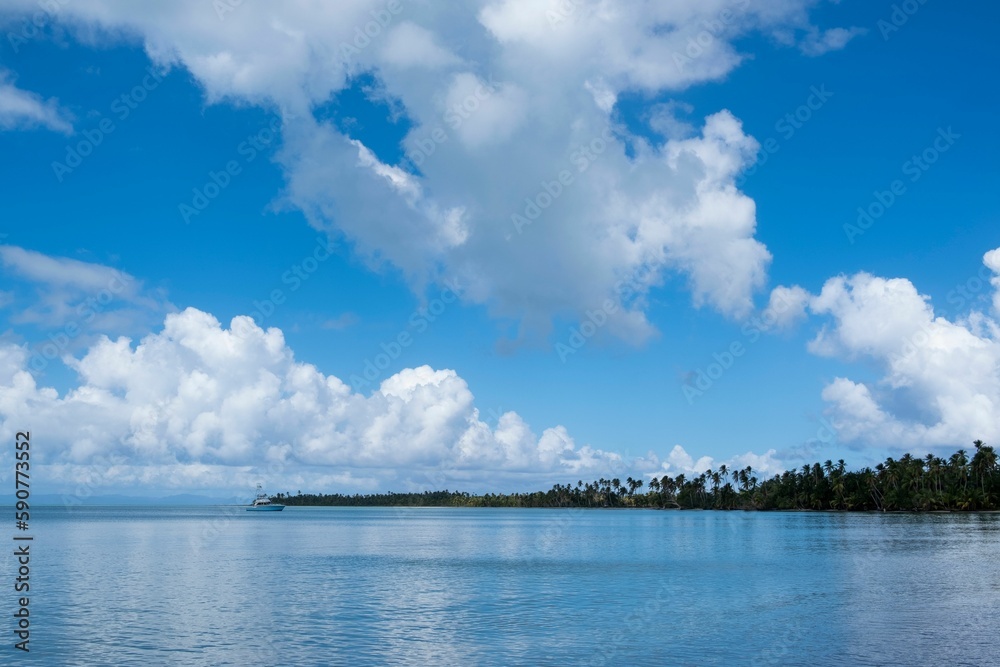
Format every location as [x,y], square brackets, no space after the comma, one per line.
[679,462]
[507,130]
[786,306]
[940,383]
[22,109]
[180,406]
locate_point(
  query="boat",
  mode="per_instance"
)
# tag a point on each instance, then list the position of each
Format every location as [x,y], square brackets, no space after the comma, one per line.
[263,504]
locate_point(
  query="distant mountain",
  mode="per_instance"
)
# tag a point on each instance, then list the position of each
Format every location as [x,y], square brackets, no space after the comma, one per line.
[54,499]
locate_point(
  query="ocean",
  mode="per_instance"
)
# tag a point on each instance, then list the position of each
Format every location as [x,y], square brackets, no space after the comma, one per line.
[441,586]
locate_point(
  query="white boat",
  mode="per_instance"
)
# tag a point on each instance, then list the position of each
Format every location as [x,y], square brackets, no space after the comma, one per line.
[263,504]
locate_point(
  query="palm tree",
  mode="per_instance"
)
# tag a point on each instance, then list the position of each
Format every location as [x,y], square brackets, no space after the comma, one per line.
[984,463]
[716,481]
[744,476]
[618,488]
[871,481]
[958,461]
[838,488]
[605,487]
[654,487]
[680,486]
[669,488]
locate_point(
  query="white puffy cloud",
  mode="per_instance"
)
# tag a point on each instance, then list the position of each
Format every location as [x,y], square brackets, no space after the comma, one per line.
[940,383]
[521,92]
[22,109]
[786,306]
[763,465]
[679,461]
[200,404]
[672,207]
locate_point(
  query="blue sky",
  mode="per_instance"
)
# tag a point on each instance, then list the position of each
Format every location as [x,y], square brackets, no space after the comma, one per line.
[354,247]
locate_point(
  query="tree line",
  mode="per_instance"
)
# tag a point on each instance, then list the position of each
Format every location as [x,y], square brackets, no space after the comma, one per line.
[958,483]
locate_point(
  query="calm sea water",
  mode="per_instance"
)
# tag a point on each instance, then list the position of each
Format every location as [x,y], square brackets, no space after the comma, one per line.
[372,586]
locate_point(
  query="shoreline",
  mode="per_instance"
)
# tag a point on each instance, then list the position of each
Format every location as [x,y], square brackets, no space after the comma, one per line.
[656,509]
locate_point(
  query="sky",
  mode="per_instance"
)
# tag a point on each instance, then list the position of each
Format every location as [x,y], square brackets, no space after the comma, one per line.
[492,245]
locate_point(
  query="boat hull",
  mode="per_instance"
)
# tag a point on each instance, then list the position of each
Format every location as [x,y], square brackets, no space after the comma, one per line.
[266,508]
